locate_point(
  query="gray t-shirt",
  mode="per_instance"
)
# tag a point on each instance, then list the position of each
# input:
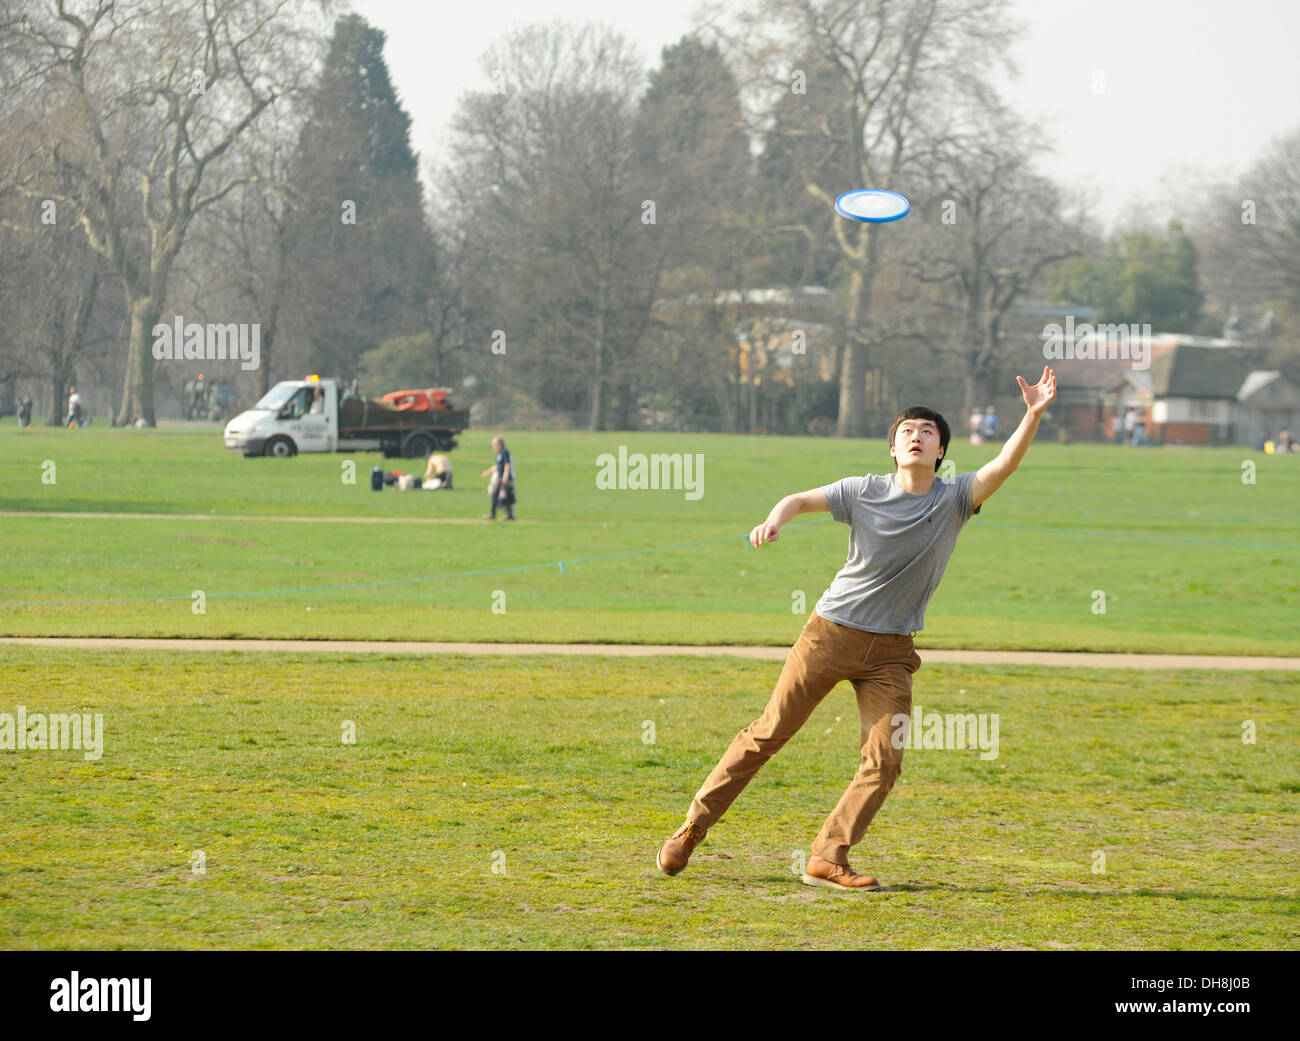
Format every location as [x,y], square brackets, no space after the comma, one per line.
[899,545]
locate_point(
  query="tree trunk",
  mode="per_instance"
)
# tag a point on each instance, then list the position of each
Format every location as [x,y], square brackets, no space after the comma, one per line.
[60,372]
[58,387]
[852,420]
[623,406]
[137,392]
[268,342]
[597,420]
[598,402]
[972,396]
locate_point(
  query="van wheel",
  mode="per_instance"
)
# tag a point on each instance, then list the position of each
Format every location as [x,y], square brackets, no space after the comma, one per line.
[280,447]
[418,446]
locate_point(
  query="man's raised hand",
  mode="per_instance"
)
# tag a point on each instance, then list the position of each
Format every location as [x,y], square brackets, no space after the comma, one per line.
[1038,396]
[764,533]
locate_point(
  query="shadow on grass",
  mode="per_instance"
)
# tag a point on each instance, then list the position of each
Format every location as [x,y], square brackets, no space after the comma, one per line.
[912,887]
[1036,890]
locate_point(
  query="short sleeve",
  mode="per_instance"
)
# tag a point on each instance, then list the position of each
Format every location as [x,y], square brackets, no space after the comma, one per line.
[966,496]
[840,497]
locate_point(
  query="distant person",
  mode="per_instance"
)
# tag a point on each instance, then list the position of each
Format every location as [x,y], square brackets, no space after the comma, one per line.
[1139,430]
[25,411]
[1130,423]
[1117,428]
[76,416]
[437,474]
[989,427]
[1286,443]
[976,425]
[502,489]
[317,401]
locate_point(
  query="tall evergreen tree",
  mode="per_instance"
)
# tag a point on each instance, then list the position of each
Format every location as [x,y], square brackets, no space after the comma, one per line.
[356,239]
[693,160]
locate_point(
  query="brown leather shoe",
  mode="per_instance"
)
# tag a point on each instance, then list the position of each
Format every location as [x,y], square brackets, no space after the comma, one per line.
[836,876]
[674,853]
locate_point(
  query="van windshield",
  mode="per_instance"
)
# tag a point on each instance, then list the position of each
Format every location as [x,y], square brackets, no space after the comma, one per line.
[276,397]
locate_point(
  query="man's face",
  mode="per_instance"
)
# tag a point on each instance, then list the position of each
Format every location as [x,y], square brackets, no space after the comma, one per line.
[916,443]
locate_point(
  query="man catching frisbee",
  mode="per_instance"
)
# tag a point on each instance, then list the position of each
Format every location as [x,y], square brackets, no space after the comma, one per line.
[902,530]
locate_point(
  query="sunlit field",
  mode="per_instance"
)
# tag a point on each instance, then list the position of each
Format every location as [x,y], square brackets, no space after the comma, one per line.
[508,802]
[1087,547]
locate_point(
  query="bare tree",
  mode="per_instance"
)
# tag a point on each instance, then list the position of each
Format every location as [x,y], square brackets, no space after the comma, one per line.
[244,242]
[879,79]
[545,164]
[48,332]
[154,99]
[1250,249]
[987,232]
[693,159]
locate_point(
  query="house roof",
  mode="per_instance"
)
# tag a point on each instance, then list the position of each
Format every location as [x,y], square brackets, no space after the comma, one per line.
[1189,371]
[1255,381]
[1140,379]
[1089,374]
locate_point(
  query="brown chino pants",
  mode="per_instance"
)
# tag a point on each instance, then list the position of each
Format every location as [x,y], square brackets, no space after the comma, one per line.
[880,667]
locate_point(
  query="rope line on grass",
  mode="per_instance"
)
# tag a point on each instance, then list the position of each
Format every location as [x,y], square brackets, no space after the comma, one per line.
[561,564]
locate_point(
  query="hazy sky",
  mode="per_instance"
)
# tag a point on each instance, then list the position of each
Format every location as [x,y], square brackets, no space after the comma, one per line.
[1192,90]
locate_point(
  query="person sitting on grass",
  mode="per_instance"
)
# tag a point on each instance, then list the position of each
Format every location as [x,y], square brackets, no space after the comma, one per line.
[438,473]
[903,528]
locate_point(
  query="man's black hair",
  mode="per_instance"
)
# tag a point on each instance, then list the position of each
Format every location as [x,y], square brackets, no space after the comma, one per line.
[921,412]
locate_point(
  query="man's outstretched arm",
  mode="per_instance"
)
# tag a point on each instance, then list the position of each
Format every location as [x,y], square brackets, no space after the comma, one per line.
[791,506]
[989,477]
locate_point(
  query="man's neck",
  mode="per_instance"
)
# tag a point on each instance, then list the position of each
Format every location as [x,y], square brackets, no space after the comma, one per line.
[915,480]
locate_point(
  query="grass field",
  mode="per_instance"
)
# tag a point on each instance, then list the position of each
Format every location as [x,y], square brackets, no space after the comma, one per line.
[1189,558]
[517,802]
[540,768]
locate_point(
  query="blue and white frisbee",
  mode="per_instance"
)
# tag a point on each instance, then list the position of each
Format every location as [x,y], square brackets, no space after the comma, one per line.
[872,205]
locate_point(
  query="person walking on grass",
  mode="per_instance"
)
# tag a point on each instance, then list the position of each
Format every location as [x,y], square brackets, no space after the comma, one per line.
[903,527]
[502,489]
[76,417]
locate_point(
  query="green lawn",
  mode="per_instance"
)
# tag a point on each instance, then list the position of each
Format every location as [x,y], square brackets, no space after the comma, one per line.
[1189,557]
[540,768]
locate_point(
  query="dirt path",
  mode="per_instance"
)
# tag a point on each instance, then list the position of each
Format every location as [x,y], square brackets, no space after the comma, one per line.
[621,650]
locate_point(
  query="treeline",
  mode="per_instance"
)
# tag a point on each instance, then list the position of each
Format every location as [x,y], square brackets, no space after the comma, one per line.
[604,245]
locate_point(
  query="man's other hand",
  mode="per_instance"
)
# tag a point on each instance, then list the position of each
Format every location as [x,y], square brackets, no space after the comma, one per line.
[1038,396]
